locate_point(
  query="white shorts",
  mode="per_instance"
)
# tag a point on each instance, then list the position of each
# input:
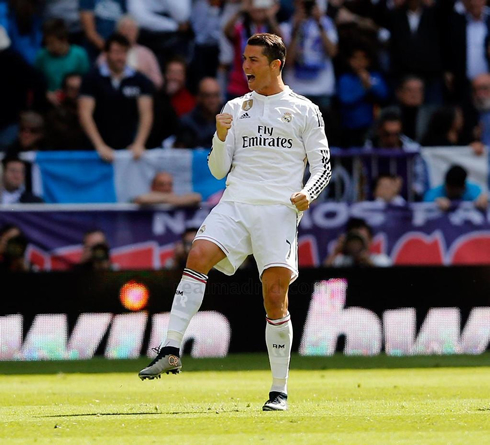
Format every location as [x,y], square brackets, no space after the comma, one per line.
[268,232]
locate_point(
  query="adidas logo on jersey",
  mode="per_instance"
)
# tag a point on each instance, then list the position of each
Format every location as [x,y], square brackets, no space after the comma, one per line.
[245,116]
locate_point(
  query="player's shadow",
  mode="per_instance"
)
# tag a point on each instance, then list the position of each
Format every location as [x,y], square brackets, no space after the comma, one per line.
[151,413]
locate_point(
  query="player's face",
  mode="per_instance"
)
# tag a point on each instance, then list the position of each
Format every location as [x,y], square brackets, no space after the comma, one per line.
[257,68]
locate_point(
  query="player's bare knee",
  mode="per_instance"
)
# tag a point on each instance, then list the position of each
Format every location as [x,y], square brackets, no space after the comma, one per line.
[198,260]
[275,302]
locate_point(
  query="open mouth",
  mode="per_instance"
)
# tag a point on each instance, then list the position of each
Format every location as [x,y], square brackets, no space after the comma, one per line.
[250,77]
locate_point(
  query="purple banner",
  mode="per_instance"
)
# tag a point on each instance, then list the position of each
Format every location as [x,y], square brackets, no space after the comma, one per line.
[418,234]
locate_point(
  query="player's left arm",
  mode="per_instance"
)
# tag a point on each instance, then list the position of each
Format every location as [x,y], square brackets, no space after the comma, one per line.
[318,154]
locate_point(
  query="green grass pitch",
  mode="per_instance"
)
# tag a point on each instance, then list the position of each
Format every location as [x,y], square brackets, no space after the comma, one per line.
[382,400]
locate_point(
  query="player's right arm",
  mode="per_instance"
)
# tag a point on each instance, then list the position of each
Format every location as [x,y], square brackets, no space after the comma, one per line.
[221,155]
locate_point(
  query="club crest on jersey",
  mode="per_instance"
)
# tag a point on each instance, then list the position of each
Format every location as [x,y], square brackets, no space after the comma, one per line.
[287,117]
[247,104]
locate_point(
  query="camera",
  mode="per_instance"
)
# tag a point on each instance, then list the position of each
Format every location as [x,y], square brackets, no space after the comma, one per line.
[16,247]
[100,253]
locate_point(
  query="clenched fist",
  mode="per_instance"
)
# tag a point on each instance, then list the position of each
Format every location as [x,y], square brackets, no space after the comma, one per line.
[223,124]
[300,200]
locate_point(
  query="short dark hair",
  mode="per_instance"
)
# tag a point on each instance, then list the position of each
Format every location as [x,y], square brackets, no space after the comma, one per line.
[383,176]
[456,176]
[274,48]
[176,59]
[408,78]
[358,223]
[55,28]
[8,159]
[116,38]
[389,114]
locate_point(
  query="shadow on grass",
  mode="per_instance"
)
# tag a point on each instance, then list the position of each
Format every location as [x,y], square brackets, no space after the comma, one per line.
[246,362]
[152,413]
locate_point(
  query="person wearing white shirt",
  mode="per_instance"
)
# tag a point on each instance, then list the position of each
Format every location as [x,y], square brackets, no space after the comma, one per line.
[164,25]
[312,42]
[262,143]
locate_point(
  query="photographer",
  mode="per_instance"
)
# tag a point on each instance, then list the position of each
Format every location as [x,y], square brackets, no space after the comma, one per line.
[311,39]
[12,259]
[353,248]
[99,258]
[96,252]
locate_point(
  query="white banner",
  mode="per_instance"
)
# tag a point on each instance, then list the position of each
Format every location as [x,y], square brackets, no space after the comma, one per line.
[439,159]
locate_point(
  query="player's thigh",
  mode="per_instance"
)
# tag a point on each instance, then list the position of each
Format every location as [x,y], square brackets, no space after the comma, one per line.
[274,238]
[225,228]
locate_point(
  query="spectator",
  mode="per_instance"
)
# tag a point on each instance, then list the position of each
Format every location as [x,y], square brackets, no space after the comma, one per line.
[162,192]
[164,26]
[387,189]
[175,86]
[410,103]
[353,248]
[24,28]
[466,48]
[456,188]
[7,232]
[140,57]
[98,19]
[226,51]
[115,104]
[13,183]
[445,127]
[59,57]
[481,102]
[389,135]
[13,258]
[95,253]
[68,11]
[21,87]
[415,44]
[63,129]
[31,135]
[311,40]
[206,23]
[255,16]
[91,238]
[200,124]
[181,250]
[389,132]
[359,91]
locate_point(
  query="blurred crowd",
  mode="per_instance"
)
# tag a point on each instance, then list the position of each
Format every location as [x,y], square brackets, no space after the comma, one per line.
[111,75]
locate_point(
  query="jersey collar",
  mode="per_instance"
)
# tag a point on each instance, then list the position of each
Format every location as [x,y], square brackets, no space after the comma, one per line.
[283,93]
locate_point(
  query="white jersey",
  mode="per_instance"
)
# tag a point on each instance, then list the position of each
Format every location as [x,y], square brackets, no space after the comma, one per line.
[267,146]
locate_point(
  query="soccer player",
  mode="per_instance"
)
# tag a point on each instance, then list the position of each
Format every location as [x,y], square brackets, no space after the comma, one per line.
[262,142]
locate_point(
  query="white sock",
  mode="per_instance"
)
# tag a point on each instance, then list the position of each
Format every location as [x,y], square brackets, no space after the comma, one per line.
[279,337]
[187,301]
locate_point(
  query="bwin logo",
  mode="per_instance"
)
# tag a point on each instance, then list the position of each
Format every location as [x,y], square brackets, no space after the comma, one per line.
[179,292]
[278,346]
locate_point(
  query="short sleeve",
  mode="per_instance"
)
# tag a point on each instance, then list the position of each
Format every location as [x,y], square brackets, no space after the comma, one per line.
[88,87]
[146,85]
